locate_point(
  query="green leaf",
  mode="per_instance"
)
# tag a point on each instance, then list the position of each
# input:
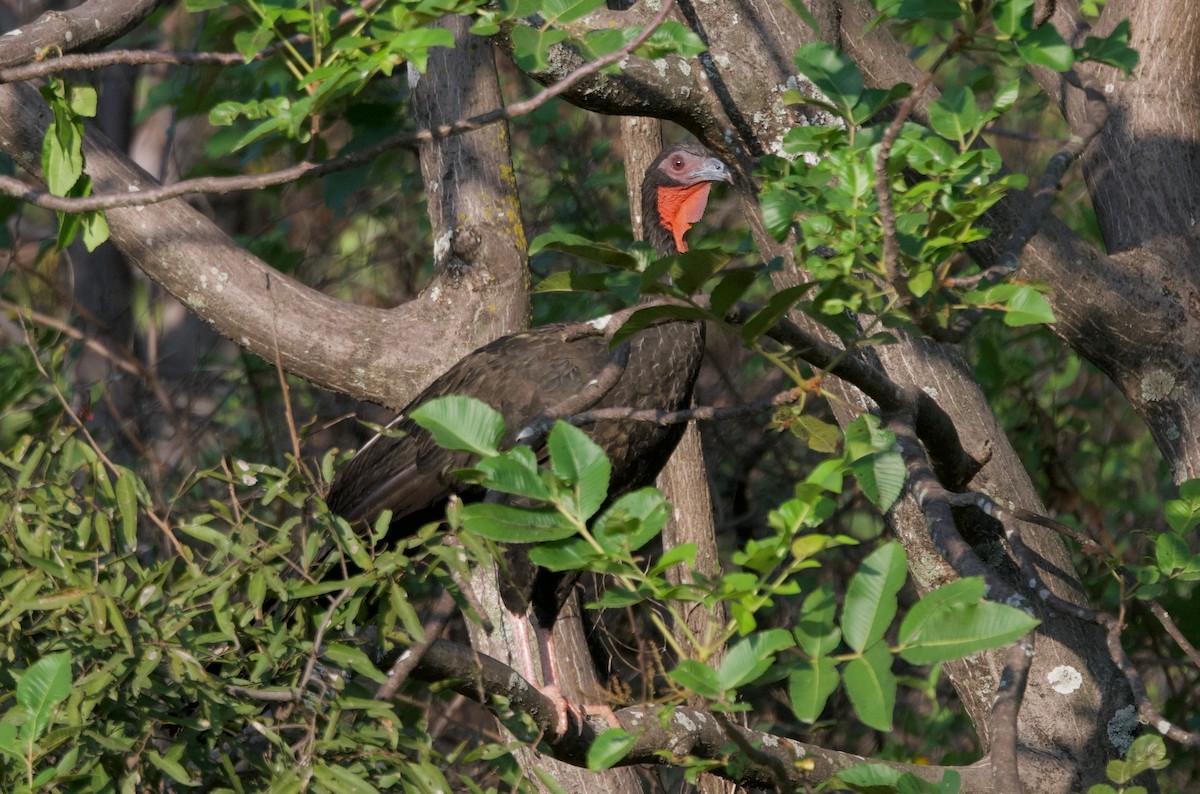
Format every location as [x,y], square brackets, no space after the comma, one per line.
[1021,303]
[751,657]
[509,524]
[1043,46]
[729,290]
[643,318]
[128,507]
[876,465]
[42,687]
[609,748]
[779,304]
[880,779]
[871,596]
[871,687]
[1171,553]
[962,592]
[671,38]
[815,632]
[832,72]
[819,435]
[697,266]
[95,229]
[514,472]
[1147,752]
[955,115]
[698,677]
[172,769]
[461,423]
[340,779]
[809,687]
[632,521]
[929,9]
[1113,49]
[348,656]
[582,465]
[584,248]
[955,630]
[779,208]
[1012,16]
[531,46]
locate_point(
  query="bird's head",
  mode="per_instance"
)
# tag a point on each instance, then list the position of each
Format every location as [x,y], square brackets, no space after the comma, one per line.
[675,193]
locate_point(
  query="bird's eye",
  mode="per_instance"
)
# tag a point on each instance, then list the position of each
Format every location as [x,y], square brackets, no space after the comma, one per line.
[678,163]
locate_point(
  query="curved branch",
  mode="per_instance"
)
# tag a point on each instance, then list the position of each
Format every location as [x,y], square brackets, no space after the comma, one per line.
[683,732]
[137,195]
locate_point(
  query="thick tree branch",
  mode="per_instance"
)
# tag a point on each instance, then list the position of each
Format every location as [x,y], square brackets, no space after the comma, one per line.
[149,192]
[683,732]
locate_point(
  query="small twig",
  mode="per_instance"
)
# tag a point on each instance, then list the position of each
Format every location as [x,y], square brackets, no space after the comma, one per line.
[778,771]
[139,196]
[326,622]
[1173,630]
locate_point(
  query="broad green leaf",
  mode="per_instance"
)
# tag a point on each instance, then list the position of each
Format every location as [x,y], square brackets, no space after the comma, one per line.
[643,318]
[696,676]
[751,657]
[955,115]
[729,290]
[43,686]
[779,304]
[509,524]
[95,229]
[693,268]
[171,768]
[514,472]
[1012,16]
[815,632]
[671,38]
[1022,304]
[871,596]
[871,687]
[956,630]
[832,72]
[632,521]
[809,687]
[962,592]
[341,779]
[609,748]
[350,657]
[820,436]
[1043,46]
[531,46]
[928,9]
[584,248]
[779,209]
[1113,49]
[570,281]
[881,779]
[881,476]
[1182,514]
[580,463]
[1171,552]
[461,423]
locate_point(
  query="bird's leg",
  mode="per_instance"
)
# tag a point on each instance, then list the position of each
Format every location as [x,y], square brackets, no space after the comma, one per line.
[549,660]
[548,672]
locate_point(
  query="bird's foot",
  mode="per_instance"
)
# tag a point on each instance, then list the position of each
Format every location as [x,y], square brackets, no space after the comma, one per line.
[564,710]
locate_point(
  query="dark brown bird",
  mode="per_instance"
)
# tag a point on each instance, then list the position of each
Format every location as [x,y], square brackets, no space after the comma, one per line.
[522,375]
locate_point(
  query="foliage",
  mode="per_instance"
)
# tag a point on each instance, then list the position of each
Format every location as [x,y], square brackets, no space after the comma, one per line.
[174,645]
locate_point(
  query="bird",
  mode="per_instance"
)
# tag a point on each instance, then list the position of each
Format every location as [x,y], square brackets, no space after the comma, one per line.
[523,374]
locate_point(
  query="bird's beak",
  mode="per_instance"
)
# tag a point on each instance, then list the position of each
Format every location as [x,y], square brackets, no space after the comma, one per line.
[713,170]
